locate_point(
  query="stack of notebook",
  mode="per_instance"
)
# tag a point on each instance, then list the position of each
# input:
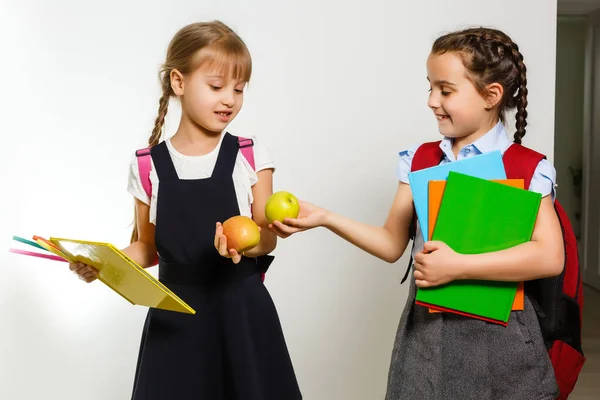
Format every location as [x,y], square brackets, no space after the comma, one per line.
[473,208]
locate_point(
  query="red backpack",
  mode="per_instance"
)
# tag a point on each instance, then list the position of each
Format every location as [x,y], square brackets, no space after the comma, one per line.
[145,165]
[558,301]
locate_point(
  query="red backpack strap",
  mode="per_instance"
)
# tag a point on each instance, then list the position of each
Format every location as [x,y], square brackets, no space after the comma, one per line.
[521,162]
[144,166]
[427,155]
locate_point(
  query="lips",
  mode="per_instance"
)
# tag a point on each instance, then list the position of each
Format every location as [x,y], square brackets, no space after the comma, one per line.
[223,115]
[442,117]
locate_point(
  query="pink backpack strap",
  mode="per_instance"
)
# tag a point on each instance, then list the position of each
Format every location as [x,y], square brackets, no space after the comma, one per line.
[246,147]
[144,165]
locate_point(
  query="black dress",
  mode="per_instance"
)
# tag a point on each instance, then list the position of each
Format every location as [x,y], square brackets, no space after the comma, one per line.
[233,348]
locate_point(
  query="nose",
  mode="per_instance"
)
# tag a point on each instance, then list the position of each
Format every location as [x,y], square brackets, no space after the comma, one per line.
[434,100]
[228,98]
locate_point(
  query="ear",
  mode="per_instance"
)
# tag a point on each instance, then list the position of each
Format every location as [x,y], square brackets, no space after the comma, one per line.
[495,91]
[177,82]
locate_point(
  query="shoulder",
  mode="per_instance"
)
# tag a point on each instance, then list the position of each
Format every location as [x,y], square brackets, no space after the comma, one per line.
[262,156]
[406,159]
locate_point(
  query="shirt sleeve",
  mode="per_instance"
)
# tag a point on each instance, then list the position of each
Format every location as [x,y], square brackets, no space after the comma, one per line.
[405,163]
[544,179]
[262,160]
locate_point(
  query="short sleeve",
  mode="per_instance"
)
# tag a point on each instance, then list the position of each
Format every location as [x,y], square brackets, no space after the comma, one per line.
[134,183]
[262,160]
[405,164]
[544,179]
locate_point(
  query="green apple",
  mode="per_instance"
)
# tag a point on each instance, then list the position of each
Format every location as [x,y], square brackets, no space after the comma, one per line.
[282,205]
[241,232]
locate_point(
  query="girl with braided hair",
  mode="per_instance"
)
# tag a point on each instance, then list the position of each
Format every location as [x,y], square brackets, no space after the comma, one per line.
[233,348]
[476,76]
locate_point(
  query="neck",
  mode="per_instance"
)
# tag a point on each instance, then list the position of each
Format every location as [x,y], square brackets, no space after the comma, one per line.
[461,142]
[193,139]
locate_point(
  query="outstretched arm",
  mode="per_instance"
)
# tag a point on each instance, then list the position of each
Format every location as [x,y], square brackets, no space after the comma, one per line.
[387,243]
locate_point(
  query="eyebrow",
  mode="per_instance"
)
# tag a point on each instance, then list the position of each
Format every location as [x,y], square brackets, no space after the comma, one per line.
[443,82]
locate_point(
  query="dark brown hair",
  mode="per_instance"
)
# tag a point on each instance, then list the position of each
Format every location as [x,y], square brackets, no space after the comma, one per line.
[202,43]
[490,56]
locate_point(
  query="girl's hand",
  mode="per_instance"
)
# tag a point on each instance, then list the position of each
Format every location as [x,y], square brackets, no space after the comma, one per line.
[437,264]
[84,272]
[221,245]
[310,216]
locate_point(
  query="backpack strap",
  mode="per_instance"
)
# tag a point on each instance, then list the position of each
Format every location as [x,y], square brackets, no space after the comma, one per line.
[427,155]
[246,147]
[144,166]
[521,162]
[144,161]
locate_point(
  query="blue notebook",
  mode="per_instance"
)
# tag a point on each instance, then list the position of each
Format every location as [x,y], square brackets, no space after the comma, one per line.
[484,166]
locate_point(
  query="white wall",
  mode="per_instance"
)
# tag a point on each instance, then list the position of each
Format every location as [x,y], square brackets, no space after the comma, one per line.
[343,83]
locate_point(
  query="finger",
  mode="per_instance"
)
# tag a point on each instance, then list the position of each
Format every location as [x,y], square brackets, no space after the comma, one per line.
[418,257]
[223,246]
[429,247]
[259,228]
[278,231]
[295,222]
[90,279]
[235,257]
[76,266]
[89,275]
[218,233]
[419,275]
[422,283]
[418,266]
[285,228]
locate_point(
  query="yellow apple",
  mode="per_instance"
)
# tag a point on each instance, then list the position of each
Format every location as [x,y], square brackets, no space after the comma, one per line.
[282,205]
[241,232]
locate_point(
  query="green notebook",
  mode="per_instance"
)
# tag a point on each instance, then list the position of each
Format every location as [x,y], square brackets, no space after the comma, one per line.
[479,216]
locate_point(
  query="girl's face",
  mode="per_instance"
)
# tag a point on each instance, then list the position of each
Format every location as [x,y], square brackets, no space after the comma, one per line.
[459,108]
[210,99]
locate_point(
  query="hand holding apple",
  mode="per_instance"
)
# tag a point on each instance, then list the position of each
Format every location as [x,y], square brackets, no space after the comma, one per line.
[310,216]
[235,236]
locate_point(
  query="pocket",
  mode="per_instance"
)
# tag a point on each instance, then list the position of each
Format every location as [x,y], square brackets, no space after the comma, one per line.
[522,327]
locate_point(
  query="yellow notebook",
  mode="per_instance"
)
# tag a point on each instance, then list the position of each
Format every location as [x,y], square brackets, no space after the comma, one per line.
[119,272]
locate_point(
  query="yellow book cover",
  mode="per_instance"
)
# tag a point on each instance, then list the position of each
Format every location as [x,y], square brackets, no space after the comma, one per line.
[119,272]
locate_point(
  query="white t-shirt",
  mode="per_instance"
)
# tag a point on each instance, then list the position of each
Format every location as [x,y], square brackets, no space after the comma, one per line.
[200,167]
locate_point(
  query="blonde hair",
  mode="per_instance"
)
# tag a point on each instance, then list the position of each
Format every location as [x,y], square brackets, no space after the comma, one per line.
[203,43]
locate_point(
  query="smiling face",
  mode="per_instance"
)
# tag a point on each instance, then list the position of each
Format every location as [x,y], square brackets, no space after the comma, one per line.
[210,99]
[458,107]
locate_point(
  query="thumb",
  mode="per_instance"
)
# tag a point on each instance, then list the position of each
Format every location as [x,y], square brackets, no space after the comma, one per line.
[430,247]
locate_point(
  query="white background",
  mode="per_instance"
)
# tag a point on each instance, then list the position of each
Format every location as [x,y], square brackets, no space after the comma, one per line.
[338,89]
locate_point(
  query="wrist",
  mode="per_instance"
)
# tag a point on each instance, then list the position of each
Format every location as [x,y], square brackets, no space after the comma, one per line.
[465,267]
[328,218]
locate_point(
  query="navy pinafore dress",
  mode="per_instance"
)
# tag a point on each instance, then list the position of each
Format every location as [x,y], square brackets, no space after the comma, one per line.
[233,348]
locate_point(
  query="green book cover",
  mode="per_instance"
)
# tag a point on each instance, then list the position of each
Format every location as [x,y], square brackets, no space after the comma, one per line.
[479,216]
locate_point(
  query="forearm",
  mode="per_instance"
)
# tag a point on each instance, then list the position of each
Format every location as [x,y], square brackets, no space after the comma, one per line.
[528,261]
[377,241]
[268,242]
[142,253]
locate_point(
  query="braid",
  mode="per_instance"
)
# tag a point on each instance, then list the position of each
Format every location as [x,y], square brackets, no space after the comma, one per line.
[163,107]
[521,115]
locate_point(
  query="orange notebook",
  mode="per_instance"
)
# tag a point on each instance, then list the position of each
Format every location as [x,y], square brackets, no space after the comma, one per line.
[436,193]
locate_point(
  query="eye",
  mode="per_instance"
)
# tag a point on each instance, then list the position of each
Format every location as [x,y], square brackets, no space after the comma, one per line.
[239,91]
[445,93]
[213,87]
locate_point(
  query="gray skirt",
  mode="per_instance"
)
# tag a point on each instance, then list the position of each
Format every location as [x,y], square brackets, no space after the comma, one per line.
[443,356]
